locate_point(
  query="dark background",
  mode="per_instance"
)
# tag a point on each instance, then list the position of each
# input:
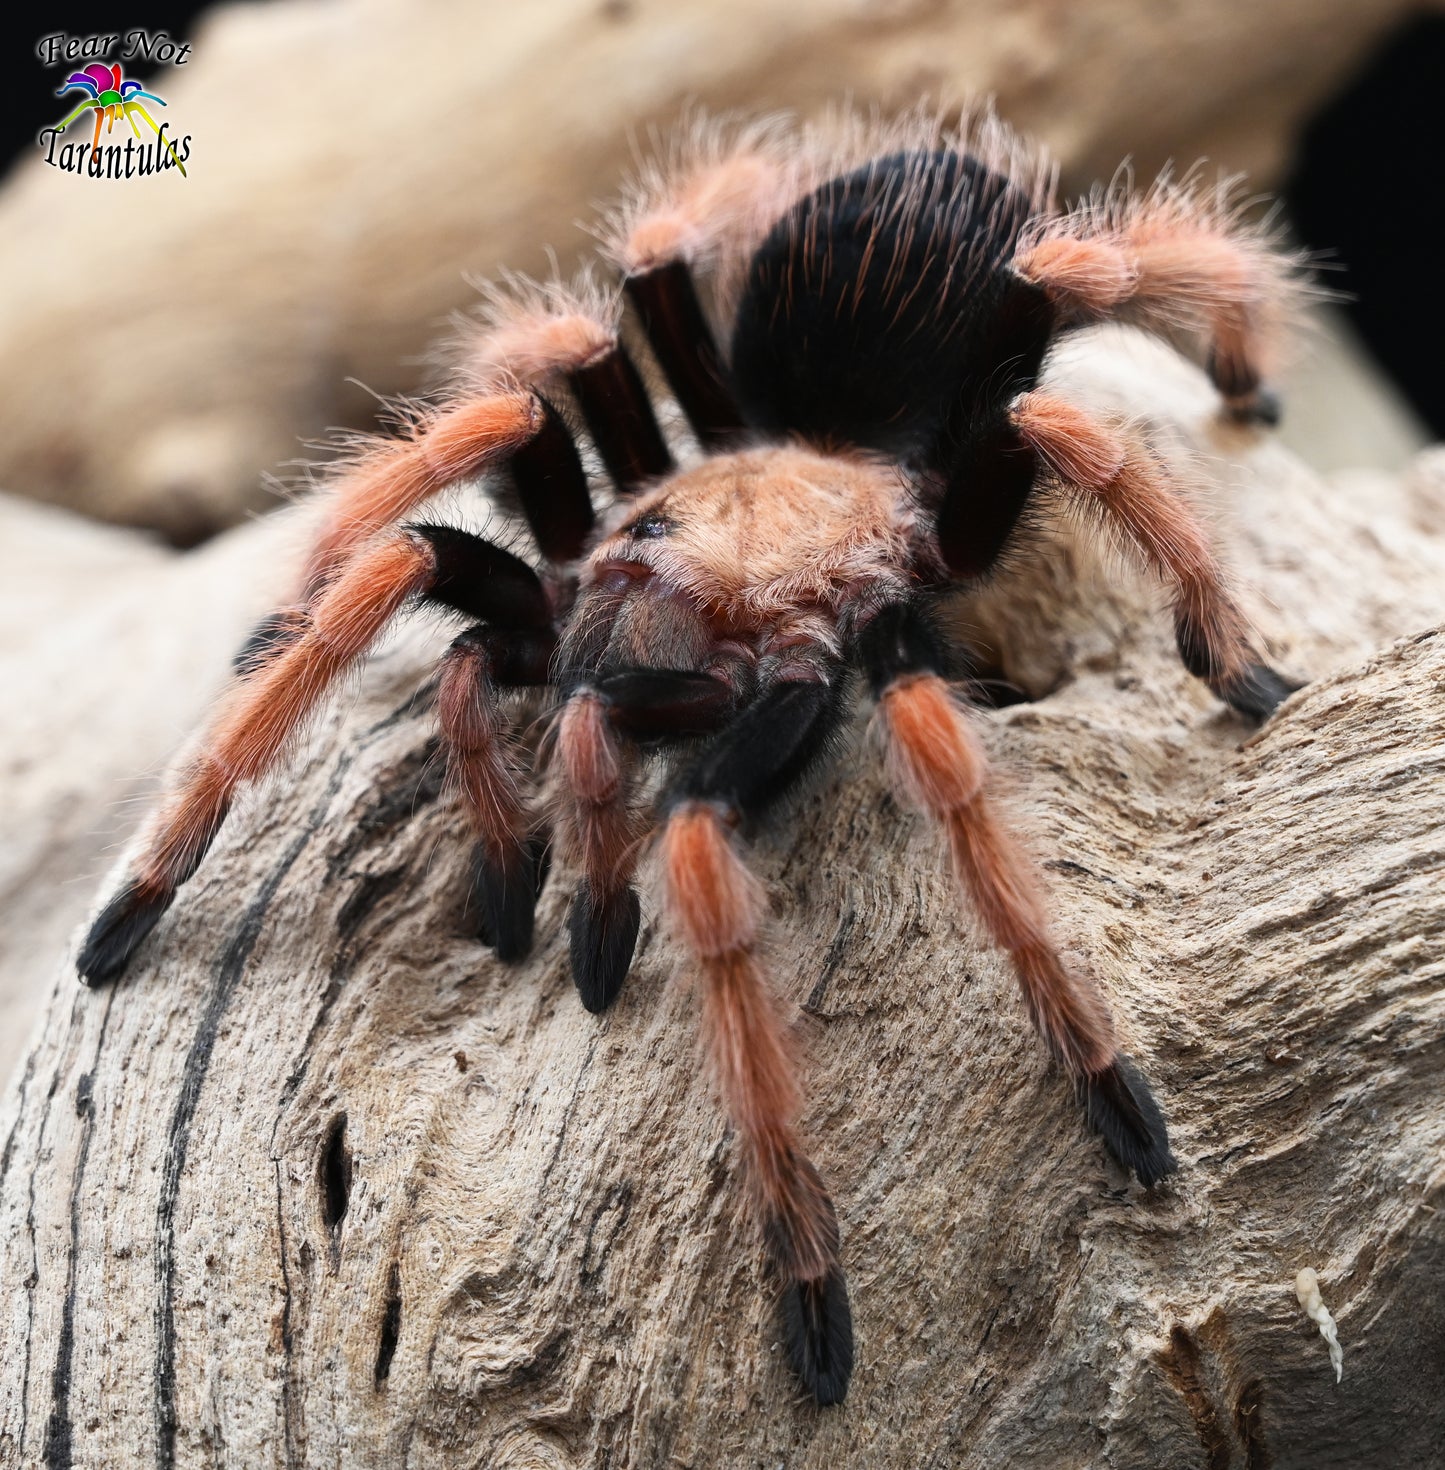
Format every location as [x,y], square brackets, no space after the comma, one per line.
[1367,191]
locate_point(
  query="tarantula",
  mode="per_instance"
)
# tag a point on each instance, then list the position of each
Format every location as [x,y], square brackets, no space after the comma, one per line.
[872,433]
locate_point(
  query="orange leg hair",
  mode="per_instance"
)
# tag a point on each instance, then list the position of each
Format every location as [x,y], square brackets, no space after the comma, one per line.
[484,771]
[715,906]
[600,831]
[1128,489]
[531,334]
[392,478]
[481,763]
[388,480]
[249,733]
[264,710]
[1171,258]
[937,761]
[714,195]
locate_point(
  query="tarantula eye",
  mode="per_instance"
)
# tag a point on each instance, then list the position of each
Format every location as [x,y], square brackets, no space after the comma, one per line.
[650,526]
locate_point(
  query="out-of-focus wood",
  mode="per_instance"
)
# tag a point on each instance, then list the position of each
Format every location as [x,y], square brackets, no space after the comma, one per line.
[540,1209]
[164,343]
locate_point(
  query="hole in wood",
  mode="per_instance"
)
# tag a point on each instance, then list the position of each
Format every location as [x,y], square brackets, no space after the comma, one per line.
[990,688]
[390,1326]
[335,1175]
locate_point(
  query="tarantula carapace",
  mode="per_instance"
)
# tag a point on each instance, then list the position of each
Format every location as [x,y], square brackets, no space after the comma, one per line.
[872,432]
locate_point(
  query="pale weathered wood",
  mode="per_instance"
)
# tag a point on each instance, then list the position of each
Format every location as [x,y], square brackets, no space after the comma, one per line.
[351,162]
[110,648]
[539,1206]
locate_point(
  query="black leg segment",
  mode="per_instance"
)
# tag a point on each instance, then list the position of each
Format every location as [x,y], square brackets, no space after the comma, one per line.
[614,402]
[118,932]
[602,930]
[1255,691]
[479,579]
[901,639]
[768,748]
[503,899]
[986,472]
[989,479]
[275,633]
[514,658]
[818,1333]
[683,343]
[551,486]
[1122,1110]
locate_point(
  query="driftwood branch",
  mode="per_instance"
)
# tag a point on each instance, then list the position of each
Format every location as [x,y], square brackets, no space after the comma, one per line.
[321,1183]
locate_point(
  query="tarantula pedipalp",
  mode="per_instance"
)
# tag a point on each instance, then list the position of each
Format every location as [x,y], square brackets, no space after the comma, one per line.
[873,433]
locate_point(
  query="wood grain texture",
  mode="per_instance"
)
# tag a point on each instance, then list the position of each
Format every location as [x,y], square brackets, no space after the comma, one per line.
[321,1183]
[352,162]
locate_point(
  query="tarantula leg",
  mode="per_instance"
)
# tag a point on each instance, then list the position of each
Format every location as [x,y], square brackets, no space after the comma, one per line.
[551,485]
[542,334]
[666,301]
[393,477]
[1169,257]
[937,762]
[987,476]
[262,712]
[1122,1111]
[651,705]
[482,766]
[600,830]
[990,481]
[619,416]
[1129,490]
[687,215]
[643,706]
[716,907]
[389,480]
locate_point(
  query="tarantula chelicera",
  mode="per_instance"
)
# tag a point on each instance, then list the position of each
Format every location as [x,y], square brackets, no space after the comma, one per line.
[872,433]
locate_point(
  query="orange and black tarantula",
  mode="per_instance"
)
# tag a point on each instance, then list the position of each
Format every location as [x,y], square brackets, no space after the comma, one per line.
[868,431]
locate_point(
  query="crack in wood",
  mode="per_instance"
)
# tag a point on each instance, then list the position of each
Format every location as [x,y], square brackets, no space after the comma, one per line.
[836,950]
[1184,1368]
[59,1434]
[32,1280]
[335,1175]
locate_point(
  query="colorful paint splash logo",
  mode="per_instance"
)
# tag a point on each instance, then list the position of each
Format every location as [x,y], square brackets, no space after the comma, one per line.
[110,96]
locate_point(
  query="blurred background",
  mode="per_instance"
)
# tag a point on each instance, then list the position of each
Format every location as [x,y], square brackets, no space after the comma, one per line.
[166,344]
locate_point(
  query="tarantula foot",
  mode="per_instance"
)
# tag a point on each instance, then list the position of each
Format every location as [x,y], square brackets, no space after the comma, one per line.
[818,1331]
[1122,1110]
[117,933]
[1256,692]
[603,934]
[504,898]
[272,635]
[1263,408]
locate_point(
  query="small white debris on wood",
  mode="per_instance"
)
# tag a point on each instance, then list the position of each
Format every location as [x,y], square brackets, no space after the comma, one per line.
[1307,1289]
